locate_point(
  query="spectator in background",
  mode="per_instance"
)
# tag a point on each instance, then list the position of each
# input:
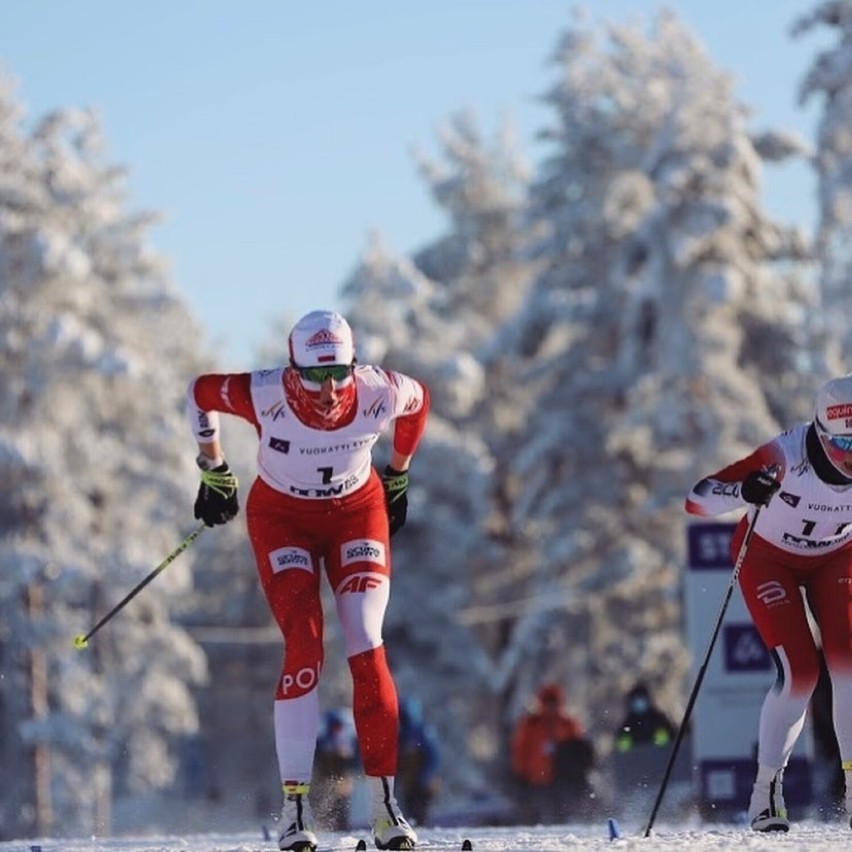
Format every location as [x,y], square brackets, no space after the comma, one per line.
[336,762]
[644,722]
[551,760]
[643,743]
[419,761]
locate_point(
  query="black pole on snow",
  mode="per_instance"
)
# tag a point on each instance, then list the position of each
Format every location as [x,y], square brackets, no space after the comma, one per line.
[702,671]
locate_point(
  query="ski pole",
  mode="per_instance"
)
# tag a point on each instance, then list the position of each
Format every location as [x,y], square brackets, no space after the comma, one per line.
[703,668]
[81,640]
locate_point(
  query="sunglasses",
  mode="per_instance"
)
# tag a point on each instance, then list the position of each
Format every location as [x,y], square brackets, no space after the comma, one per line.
[317,375]
[840,442]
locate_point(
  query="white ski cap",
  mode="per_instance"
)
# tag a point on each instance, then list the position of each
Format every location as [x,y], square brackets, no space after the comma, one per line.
[833,411]
[320,338]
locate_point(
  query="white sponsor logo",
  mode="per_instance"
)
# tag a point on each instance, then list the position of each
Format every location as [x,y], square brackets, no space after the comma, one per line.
[771,592]
[291,557]
[305,679]
[363,550]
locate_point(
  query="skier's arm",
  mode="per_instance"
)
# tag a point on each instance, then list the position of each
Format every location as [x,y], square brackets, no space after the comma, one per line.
[412,401]
[217,501]
[722,491]
[411,408]
[209,394]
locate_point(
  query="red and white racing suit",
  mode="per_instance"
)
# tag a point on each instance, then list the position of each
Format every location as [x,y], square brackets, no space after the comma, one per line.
[317,502]
[802,544]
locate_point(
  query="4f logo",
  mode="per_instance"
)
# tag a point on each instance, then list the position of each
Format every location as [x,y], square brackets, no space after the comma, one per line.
[360,583]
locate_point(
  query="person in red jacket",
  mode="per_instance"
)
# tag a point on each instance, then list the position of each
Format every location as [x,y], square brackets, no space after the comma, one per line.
[551,759]
[319,506]
[797,564]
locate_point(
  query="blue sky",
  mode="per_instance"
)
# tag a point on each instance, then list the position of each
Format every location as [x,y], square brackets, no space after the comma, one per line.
[275,136]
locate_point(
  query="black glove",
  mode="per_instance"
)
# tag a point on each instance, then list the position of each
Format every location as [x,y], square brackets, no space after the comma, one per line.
[217,501]
[396,497]
[758,487]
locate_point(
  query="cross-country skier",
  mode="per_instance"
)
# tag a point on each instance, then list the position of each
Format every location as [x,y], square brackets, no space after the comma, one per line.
[802,482]
[318,504]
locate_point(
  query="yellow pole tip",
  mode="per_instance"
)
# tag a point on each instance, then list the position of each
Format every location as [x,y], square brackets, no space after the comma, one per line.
[80,641]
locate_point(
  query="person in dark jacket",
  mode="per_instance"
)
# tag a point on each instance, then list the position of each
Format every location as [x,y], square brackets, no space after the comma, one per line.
[644,722]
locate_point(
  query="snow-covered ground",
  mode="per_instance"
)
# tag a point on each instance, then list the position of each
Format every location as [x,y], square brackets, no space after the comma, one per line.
[807,836]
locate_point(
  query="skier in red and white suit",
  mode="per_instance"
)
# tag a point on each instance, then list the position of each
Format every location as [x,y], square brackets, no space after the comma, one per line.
[319,504]
[802,541]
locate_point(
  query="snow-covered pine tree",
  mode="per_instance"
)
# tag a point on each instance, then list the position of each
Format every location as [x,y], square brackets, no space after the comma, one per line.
[435,317]
[98,482]
[661,274]
[829,81]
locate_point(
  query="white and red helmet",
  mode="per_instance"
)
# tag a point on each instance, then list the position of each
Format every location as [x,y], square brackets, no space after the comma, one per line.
[833,421]
[321,338]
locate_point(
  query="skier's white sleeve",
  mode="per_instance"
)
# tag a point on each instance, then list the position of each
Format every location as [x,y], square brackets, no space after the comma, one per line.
[204,424]
[714,497]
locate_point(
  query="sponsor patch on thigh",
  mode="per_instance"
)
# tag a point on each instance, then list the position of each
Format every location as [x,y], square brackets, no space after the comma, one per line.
[362,550]
[359,583]
[285,558]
